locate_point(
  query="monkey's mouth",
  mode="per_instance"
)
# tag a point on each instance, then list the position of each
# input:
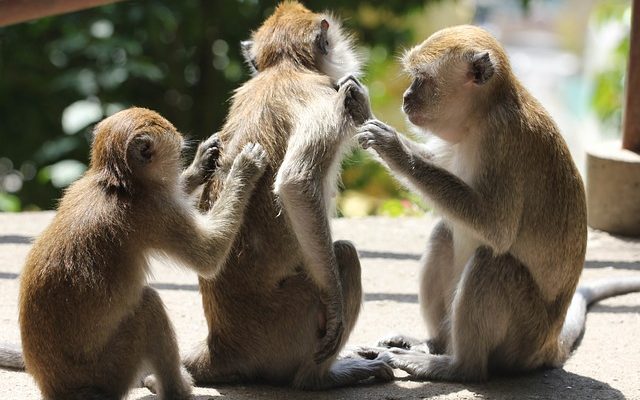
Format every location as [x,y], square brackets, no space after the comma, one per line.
[413,116]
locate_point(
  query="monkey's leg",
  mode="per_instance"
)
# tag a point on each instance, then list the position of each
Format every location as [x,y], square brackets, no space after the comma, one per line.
[438,282]
[347,371]
[480,320]
[161,349]
[437,285]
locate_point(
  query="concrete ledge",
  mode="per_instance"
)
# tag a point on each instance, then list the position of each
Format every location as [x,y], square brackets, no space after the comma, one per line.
[605,366]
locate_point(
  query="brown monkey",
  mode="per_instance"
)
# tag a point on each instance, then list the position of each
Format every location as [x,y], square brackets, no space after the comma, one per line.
[503,264]
[88,321]
[289,296]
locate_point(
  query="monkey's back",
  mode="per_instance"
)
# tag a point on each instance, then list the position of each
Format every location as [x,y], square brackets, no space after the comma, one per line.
[72,283]
[249,288]
[555,197]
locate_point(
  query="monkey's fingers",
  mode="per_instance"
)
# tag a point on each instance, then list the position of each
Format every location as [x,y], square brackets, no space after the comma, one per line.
[349,78]
[370,353]
[378,127]
[212,141]
[384,371]
[210,159]
[399,341]
[365,139]
[208,153]
[257,154]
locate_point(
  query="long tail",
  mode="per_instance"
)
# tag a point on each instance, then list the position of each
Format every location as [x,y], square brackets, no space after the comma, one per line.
[11,357]
[585,295]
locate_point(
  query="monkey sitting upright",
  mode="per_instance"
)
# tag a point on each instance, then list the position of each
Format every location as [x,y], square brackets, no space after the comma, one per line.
[289,297]
[88,321]
[503,264]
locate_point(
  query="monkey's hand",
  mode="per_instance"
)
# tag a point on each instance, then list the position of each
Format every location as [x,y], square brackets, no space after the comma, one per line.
[250,163]
[203,165]
[379,136]
[356,99]
[207,155]
[334,328]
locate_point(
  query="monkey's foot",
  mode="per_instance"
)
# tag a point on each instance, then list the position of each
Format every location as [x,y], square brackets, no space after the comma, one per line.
[373,352]
[400,341]
[151,383]
[432,367]
[180,391]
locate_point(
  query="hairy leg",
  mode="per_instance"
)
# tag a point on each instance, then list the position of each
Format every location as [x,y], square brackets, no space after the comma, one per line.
[437,284]
[346,371]
[158,340]
[480,320]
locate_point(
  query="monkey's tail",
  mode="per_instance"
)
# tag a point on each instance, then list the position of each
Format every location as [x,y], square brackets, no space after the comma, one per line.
[11,357]
[586,295]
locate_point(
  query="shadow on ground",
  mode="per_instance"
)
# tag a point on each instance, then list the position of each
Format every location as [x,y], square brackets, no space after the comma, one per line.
[549,384]
[15,239]
[633,265]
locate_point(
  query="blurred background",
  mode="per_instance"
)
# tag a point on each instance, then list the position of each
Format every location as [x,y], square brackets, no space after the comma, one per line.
[59,75]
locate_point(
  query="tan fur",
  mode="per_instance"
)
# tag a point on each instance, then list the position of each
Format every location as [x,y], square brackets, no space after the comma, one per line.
[289,297]
[503,264]
[87,319]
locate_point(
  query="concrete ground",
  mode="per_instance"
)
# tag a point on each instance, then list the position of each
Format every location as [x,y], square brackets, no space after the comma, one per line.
[605,366]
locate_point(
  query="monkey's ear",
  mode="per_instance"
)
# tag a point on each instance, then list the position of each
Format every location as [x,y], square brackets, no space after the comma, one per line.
[245,48]
[322,39]
[481,68]
[141,149]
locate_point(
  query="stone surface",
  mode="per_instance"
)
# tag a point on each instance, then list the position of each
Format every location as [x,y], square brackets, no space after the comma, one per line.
[605,366]
[613,189]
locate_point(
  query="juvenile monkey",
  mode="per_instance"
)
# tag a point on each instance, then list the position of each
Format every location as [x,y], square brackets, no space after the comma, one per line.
[289,296]
[503,263]
[88,321]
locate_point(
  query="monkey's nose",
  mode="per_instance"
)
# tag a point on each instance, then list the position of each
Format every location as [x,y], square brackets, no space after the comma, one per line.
[406,100]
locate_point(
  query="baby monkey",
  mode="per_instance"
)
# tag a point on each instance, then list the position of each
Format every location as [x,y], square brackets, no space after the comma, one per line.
[88,321]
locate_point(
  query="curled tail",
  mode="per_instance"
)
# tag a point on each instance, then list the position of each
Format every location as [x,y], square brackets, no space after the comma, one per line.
[11,357]
[585,295]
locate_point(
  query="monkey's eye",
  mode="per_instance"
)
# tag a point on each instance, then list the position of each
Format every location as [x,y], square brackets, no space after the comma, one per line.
[418,83]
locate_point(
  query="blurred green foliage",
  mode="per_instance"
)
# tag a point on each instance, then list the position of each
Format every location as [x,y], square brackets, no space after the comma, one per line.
[608,93]
[59,75]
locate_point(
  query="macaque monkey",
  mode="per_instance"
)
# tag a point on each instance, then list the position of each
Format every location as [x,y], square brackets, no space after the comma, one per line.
[88,321]
[502,265]
[288,298]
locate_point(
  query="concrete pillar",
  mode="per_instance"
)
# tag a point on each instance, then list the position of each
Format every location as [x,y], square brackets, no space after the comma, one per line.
[613,189]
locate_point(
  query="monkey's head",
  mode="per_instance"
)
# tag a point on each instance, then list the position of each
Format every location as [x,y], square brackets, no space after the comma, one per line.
[293,34]
[133,147]
[456,75]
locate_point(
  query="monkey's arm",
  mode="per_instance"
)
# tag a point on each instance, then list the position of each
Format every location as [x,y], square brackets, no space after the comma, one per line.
[203,242]
[492,209]
[202,166]
[301,186]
